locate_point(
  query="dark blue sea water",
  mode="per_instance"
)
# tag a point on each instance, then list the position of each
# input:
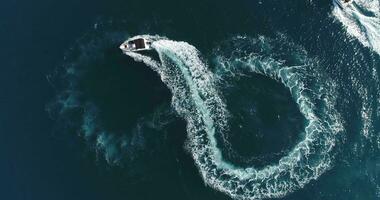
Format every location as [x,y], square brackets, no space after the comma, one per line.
[243,100]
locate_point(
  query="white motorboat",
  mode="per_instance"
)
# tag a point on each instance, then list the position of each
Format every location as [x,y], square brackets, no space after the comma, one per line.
[136,44]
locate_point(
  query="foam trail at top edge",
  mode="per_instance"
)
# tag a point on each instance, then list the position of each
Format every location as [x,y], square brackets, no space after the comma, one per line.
[361,18]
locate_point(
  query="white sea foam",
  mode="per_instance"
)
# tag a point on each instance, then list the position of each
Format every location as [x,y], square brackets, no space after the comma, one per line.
[361,18]
[196,98]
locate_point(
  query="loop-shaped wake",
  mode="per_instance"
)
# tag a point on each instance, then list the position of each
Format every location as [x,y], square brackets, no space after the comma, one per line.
[196,98]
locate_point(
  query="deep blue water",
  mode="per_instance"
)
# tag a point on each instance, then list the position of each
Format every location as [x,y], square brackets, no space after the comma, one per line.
[80,120]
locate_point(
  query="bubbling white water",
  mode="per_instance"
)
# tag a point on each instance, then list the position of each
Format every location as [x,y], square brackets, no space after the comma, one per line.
[361,18]
[196,98]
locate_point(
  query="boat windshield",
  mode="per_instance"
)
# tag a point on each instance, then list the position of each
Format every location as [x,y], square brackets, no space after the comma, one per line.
[139,43]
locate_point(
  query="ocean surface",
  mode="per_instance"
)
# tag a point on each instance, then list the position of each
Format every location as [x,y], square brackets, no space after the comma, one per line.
[238,100]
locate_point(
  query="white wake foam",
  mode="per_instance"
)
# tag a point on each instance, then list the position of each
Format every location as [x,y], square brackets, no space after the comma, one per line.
[196,98]
[361,18]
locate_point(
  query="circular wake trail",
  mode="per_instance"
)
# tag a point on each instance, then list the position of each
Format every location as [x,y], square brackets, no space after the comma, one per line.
[361,18]
[196,99]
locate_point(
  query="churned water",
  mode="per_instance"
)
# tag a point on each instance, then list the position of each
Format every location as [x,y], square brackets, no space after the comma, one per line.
[237,100]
